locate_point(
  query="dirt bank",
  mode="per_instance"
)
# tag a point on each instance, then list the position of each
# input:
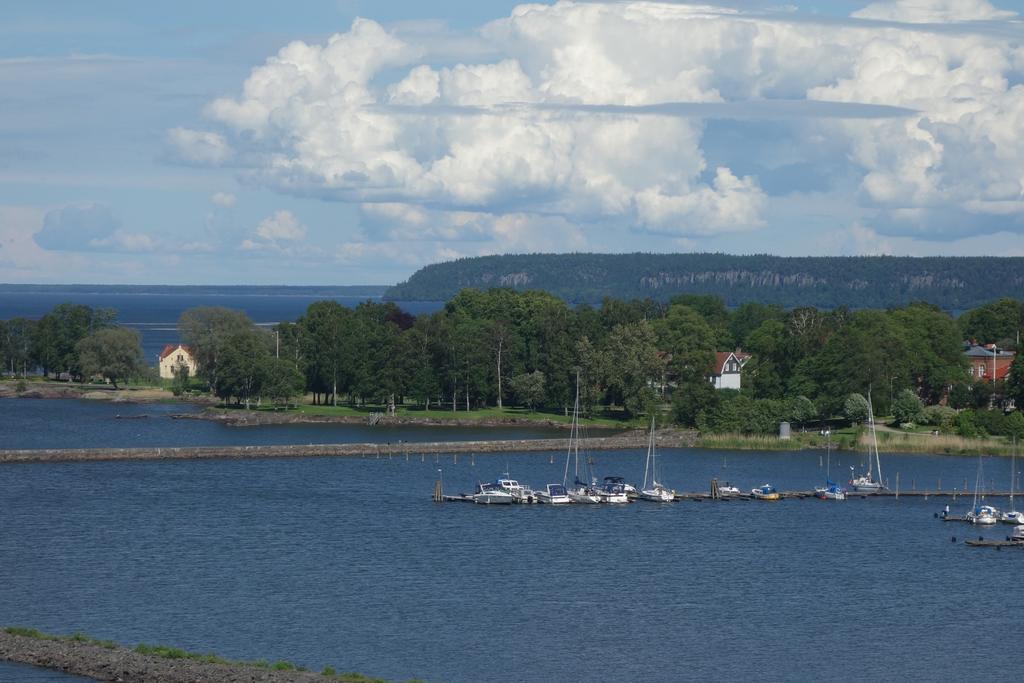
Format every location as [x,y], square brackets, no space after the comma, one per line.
[254,418]
[55,390]
[121,664]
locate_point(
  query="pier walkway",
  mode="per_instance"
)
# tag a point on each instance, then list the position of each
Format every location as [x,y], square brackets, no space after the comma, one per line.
[631,440]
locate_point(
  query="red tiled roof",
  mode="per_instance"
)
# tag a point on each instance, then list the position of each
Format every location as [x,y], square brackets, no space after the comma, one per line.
[171,348]
[722,356]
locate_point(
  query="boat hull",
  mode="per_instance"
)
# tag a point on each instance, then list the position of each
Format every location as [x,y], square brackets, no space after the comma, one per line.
[493,499]
[657,495]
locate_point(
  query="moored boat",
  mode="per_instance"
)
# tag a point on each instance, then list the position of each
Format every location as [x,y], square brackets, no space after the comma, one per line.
[614,493]
[866,483]
[983,514]
[765,492]
[830,492]
[655,492]
[554,494]
[492,494]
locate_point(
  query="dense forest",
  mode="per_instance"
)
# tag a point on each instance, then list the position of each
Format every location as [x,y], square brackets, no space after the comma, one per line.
[635,358]
[951,283]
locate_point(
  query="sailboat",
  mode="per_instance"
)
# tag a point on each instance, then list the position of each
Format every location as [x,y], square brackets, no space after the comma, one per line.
[831,490]
[579,492]
[981,514]
[656,492]
[866,483]
[1012,516]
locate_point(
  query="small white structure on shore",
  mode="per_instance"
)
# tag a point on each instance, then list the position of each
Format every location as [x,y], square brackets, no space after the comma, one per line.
[175,355]
[784,430]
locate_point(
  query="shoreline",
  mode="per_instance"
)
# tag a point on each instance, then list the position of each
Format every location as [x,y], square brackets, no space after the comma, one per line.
[108,661]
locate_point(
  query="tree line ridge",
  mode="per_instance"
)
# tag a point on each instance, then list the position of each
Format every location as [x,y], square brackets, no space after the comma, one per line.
[953,283]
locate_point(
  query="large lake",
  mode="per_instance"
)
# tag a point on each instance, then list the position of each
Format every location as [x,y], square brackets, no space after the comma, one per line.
[346,561]
[155,316]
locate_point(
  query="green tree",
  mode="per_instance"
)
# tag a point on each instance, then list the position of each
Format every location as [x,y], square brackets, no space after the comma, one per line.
[907,407]
[528,388]
[57,333]
[1015,381]
[855,407]
[113,352]
[283,381]
[995,322]
[16,339]
[208,330]
[690,399]
[242,366]
[801,410]
[960,396]
[636,368]
[1014,425]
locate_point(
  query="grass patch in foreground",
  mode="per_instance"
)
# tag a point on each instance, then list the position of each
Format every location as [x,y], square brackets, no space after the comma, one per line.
[166,652]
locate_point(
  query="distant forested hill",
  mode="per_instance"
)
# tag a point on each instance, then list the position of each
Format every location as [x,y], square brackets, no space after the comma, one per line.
[953,283]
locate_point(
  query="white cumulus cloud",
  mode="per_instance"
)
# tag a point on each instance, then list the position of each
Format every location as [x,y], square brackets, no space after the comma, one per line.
[488,150]
[199,148]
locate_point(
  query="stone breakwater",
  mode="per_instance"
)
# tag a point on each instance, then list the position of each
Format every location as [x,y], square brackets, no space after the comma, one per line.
[631,440]
[121,664]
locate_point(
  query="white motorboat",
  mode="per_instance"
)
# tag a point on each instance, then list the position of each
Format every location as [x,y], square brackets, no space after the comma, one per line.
[554,494]
[728,491]
[1012,517]
[520,493]
[491,494]
[630,489]
[866,483]
[1017,535]
[655,492]
[613,493]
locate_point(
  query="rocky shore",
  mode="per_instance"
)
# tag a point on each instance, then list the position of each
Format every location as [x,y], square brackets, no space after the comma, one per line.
[254,418]
[108,662]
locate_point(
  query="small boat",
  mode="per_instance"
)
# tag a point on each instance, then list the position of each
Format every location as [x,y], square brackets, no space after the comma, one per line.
[656,492]
[866,483]
[520,493]
[1017,535]
[630,488]
[830,492]
[983,514]
[614,493]
[765,492]
[491,494]
[1012,516]
[578,492]
[728,491]
[554,494]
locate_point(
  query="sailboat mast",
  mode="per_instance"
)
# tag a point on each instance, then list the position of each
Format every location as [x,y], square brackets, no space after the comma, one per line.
[650,449]
[874,441]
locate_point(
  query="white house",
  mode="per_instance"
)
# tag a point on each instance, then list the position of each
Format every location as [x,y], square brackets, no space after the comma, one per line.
[174,355]
[726,372]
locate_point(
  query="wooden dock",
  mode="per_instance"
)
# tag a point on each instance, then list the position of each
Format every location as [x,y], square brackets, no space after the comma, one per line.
[992,543]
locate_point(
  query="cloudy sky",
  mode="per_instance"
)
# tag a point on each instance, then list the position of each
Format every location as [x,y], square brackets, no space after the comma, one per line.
[350,142]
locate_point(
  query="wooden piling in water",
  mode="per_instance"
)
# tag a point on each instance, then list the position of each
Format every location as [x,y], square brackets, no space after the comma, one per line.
[438,492]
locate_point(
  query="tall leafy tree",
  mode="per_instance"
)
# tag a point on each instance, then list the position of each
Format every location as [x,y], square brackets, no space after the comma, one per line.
[243,364]
[57,333]
[636,368]
[208,330]
[115,353]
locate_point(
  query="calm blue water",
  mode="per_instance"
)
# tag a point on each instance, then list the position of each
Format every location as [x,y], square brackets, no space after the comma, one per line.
[30,423]
[155,316]
[347,562]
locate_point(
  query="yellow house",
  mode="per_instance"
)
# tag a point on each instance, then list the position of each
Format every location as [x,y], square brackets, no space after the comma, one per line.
[174,355]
